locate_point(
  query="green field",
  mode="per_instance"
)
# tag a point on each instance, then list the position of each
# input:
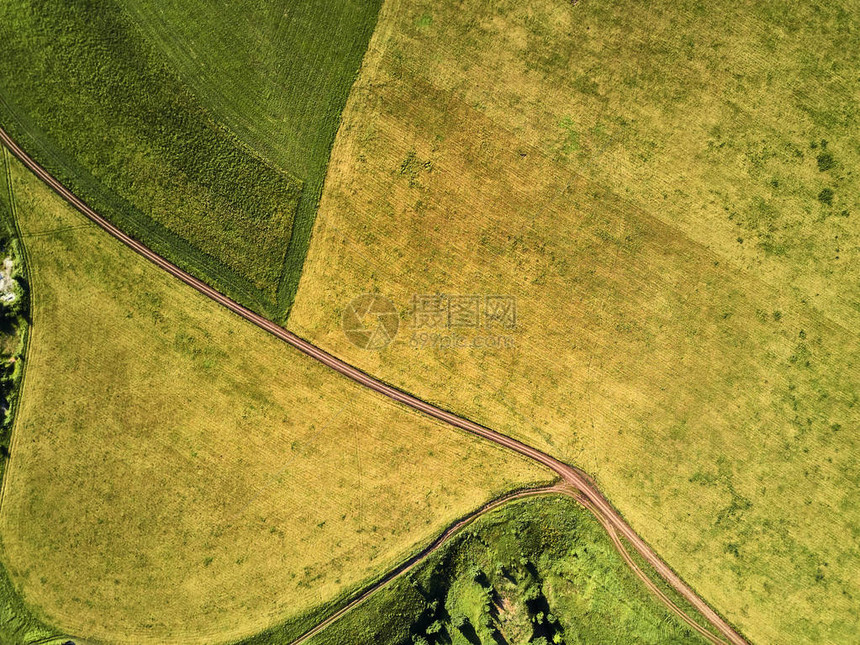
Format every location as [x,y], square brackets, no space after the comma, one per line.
[647,185]
[533,570]
[276,73]
[203,133]
[179,476]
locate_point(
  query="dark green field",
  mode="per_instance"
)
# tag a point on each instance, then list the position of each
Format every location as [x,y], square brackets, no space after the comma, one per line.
[276,73]
[110,104]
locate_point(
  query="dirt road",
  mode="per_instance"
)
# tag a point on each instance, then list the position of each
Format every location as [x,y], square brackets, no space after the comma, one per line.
[574,477]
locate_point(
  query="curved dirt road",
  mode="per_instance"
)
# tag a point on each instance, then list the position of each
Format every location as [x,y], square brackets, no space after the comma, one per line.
[572,476]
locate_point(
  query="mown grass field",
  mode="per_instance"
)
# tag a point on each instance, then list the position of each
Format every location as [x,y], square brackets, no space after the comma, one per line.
[601,164]
[202,130]
[179,476]
[539,569]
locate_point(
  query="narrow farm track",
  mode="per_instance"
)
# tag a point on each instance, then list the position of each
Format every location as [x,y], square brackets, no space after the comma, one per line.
[573,477]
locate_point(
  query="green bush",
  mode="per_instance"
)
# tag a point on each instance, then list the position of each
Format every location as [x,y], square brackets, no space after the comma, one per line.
[825,161]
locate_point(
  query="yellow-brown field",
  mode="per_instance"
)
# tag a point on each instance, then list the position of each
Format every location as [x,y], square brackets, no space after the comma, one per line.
[647,183]
[179,476]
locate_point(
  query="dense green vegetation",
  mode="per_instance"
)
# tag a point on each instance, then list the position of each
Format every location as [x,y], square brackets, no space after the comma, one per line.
[276,73]
[14,309]
[537,571]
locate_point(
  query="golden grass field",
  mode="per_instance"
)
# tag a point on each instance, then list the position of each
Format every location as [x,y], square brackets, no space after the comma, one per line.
[601,163]
[179,476]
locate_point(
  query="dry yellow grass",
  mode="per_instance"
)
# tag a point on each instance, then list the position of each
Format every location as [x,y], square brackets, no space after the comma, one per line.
[715,402]
[179,476]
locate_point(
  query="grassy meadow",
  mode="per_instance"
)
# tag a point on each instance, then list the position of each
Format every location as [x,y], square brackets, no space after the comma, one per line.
[202,130]
[648,185]
[541,571]
[179,476]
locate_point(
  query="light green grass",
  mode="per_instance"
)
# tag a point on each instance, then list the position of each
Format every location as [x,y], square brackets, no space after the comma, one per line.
[712,395]
[180,476]
[682,603]
[533,569]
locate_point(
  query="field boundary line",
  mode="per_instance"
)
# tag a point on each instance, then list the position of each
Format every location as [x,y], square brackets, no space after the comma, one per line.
[574,477]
